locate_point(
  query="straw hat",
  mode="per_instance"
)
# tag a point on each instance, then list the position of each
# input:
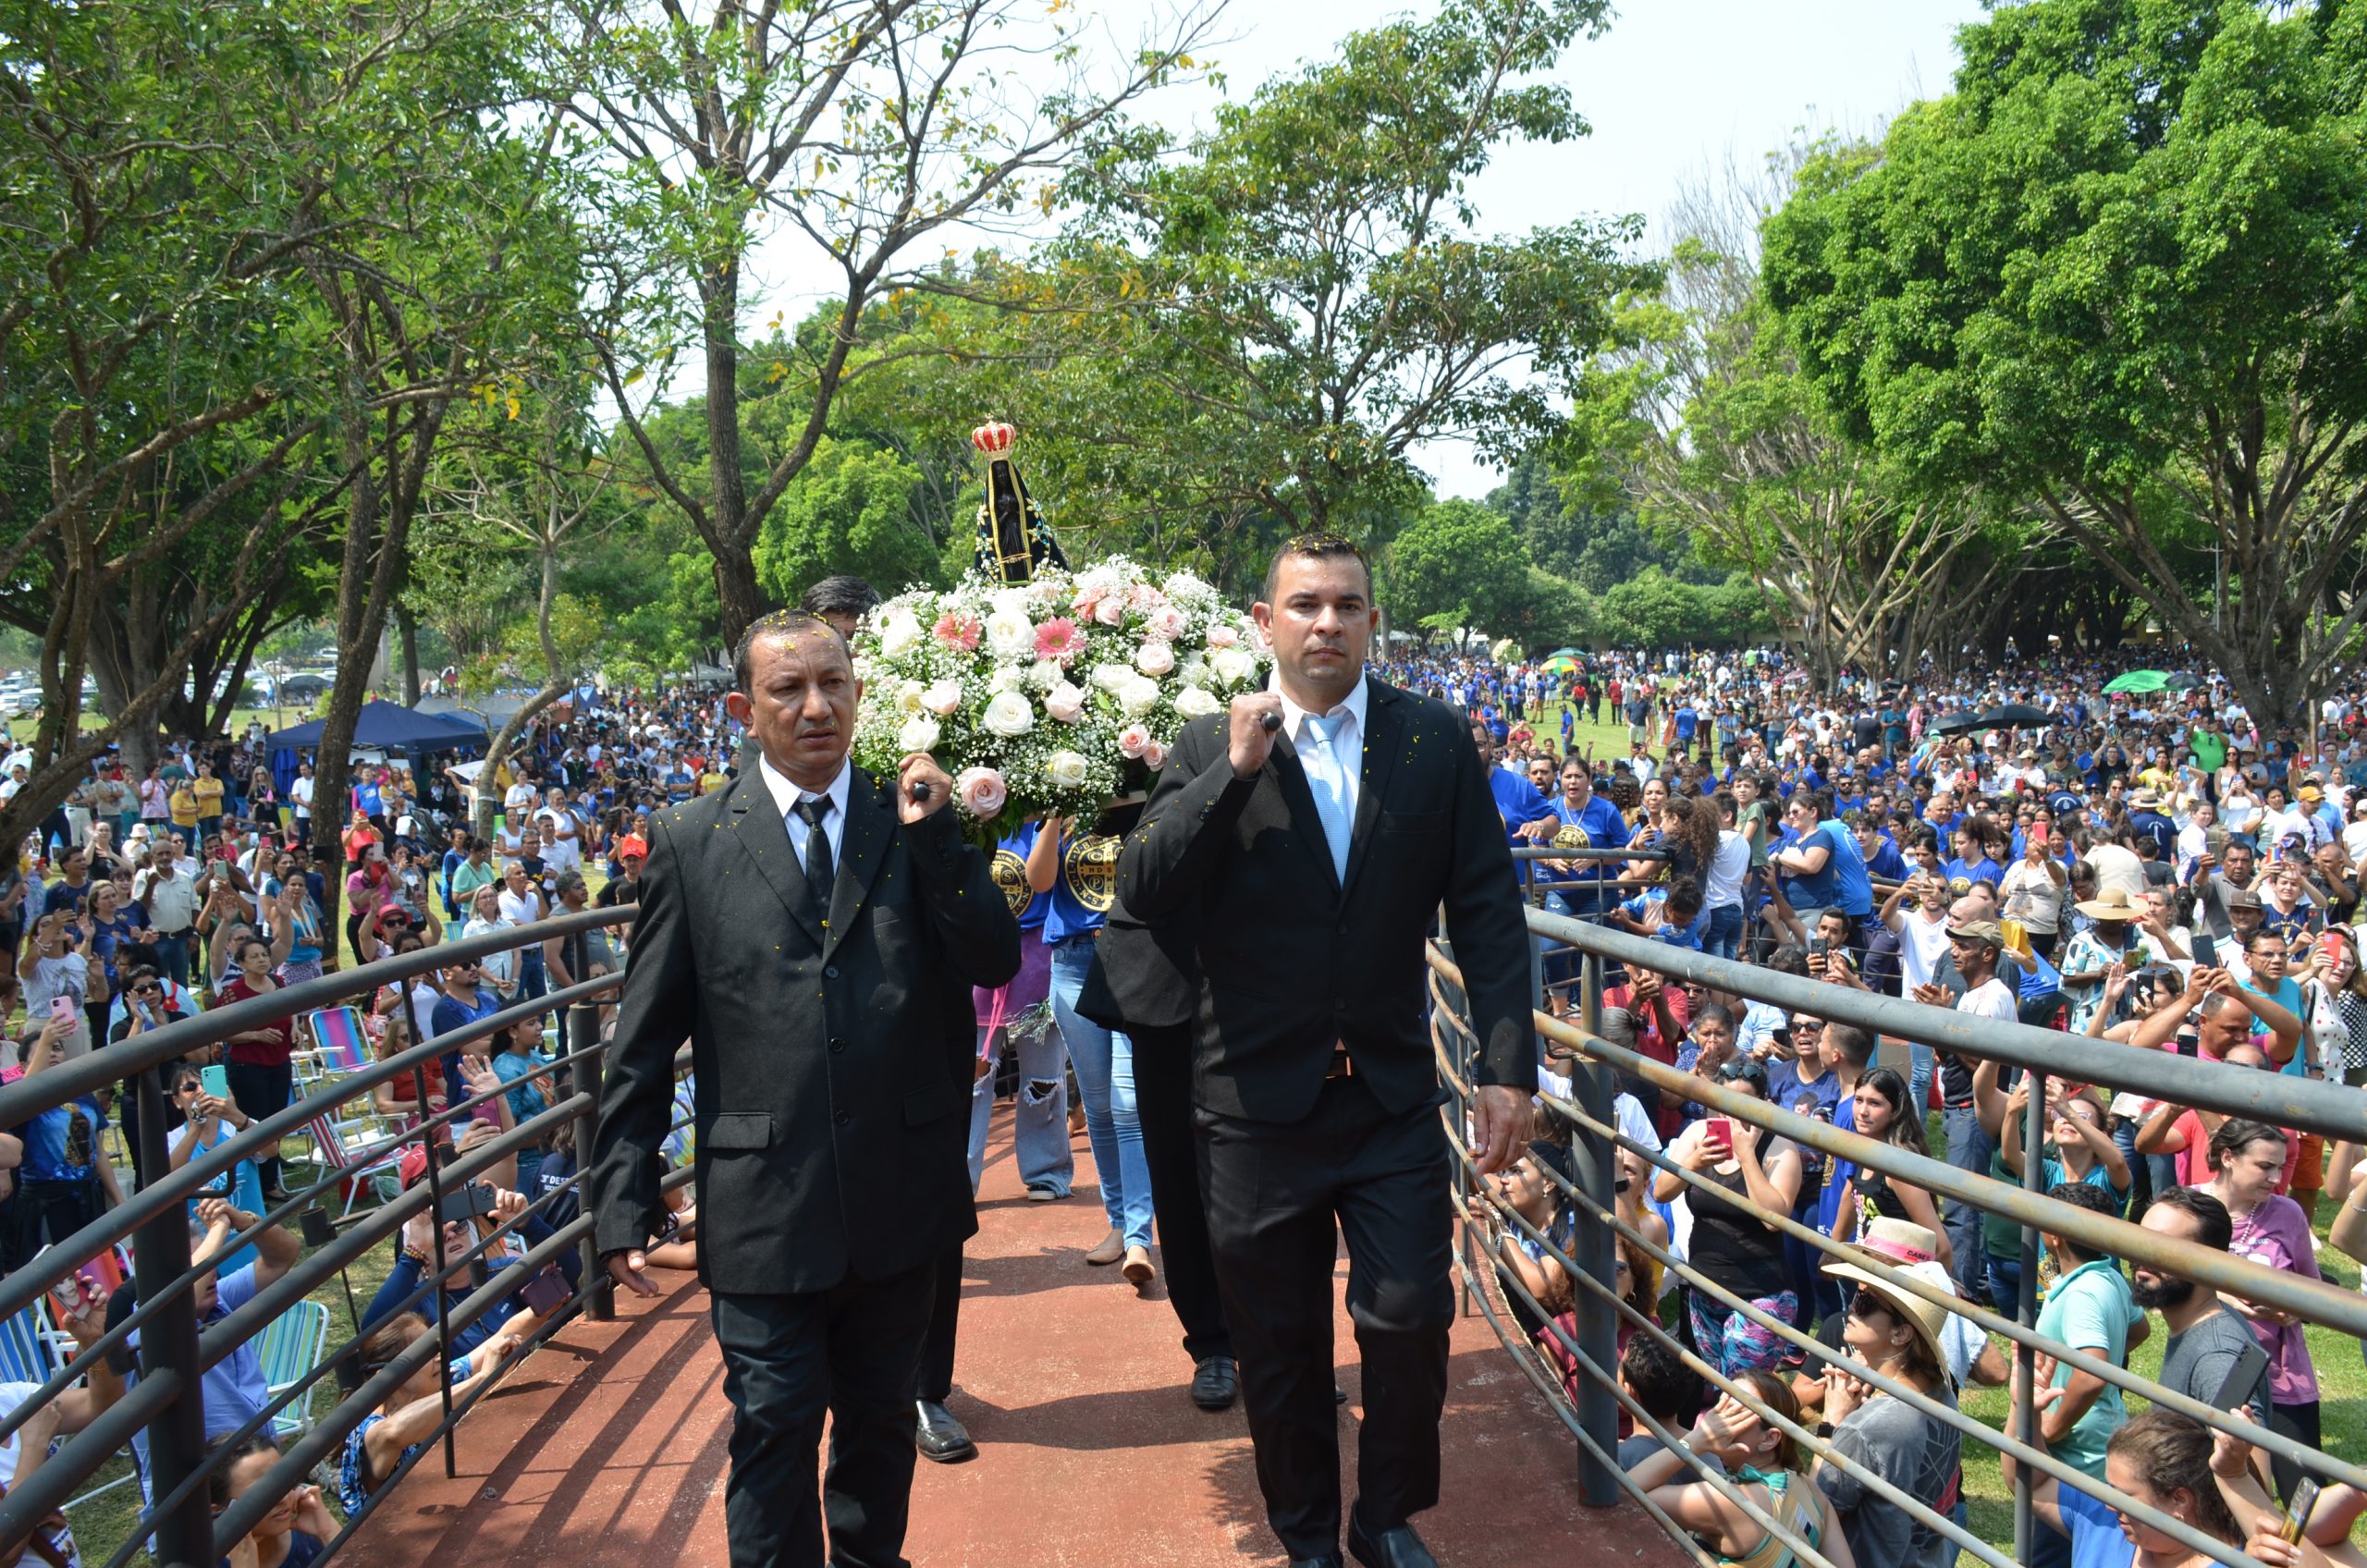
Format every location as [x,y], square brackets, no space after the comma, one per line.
[2113,903]
[1927,1318]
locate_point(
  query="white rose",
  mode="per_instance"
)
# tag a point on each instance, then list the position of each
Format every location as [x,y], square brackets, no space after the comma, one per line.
[1193,702]
[908,696]
[1233,666]
[1065,703]
[1193,672]
[1009,714]
[898,632]
[1010,601]
[1138,696]
[1109,677]
[1155,659]
[1011,635]
[1065,769]
[919,733]
[1045,674]
[941,699]
[1006,677]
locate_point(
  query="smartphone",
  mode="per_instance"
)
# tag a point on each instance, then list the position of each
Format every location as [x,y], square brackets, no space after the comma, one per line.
[214,1081]
[472,1202]
[2297,1512]
[2242,1378]
[1816,947]
[62,1009]
[2037,833]
[1721,1131]
[2206,952]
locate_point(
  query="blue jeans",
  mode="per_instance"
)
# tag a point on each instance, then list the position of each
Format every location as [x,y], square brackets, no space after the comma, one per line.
[1039,1118]
[1105,1077]
[1725,933]
[1922,1063]
[1969,1150]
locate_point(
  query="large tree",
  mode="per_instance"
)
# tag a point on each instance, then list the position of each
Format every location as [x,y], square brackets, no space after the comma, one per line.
[2116,278]
[851,134]
[1312,271]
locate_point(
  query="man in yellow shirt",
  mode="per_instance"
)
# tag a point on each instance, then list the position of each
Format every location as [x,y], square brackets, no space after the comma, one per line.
[207,791]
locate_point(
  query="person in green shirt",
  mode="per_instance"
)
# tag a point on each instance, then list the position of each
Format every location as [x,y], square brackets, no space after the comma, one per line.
[2090,1307]
[2210,749]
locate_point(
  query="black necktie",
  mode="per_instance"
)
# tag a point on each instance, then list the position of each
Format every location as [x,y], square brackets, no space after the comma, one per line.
[819,874]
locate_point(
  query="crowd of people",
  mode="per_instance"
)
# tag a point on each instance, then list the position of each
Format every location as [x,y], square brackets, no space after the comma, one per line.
[142,903]
[2154,870]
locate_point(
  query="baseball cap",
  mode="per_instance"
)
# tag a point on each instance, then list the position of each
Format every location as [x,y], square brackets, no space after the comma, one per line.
[1978,931]
[2242,898]
[632,846]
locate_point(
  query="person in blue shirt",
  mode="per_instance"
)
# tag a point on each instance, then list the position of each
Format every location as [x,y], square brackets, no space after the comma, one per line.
[1673,914]
[1971,863]
[65,1180]
[423,1239]
[1024,867]
[1082,892]
[1881,856]
[1527,814]
[1688,721]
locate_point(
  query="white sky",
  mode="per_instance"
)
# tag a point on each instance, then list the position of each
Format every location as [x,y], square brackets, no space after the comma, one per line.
[1674,87]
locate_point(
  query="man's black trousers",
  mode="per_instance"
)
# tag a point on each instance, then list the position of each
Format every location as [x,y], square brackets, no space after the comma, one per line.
[1164,1098]
[1273,1193]
[853,1351]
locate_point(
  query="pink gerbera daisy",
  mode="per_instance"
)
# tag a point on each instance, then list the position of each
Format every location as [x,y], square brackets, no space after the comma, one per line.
[957,630]
[1059,639]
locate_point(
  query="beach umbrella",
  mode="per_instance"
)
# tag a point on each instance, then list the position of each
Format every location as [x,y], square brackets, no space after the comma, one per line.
[2138,681]
[1561,664]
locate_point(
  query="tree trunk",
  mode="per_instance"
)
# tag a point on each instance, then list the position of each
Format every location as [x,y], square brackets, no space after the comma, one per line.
[407,632]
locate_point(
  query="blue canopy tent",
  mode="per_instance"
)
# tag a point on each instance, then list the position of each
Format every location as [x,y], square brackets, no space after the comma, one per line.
[382,726]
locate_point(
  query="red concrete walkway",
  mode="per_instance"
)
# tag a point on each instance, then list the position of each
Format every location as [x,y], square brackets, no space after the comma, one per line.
[608,1447]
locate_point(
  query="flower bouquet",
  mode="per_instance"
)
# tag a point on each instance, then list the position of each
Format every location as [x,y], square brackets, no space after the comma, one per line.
[1058,694]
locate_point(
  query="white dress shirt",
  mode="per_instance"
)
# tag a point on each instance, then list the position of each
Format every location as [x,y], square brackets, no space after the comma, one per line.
[786,795]
[1348,746]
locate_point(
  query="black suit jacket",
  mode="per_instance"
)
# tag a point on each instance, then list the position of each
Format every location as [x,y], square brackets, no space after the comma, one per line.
[833,1058]
[1143,976]
[1290,960]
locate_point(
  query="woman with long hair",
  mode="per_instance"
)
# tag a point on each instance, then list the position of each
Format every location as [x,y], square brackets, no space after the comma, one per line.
[1689,833]
[1766,1466]
[2336,992]
[1731,1248]
[2246,1163]
[1883,1110]
[2157,1457]
[259,1072]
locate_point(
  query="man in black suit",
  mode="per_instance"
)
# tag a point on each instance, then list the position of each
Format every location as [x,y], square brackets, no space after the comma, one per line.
[816,932]
[1307,861]
[1142,982]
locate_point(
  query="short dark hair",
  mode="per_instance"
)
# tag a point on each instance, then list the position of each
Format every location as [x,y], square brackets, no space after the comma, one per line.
[842,594]
[2087,1195]
[2214,1226]
[1667,1388]
[779,623]
[1317,547]
[1856,1045]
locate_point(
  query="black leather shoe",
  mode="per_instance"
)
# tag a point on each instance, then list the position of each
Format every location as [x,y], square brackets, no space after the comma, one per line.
[1217,1384]
[1400,1547]
[941,1438]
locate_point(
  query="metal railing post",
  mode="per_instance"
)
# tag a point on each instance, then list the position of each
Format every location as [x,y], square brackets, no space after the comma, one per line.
[2025,1312]
[1596,1164]
[160,1256]
[442,1297]
[583,1032]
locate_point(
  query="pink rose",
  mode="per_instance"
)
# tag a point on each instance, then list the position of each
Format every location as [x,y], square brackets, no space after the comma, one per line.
[957,630]
[1222,636]
[1059,639]
[1168,622]
[1110,612]
[1065,703]
[1133,741]
[942,698]
[1155,659]
[1155,756]
[1143,597]
[982,791]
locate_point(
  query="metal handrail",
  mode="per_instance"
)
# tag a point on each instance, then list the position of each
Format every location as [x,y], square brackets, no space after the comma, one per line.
[2040,1051]
[172,1352]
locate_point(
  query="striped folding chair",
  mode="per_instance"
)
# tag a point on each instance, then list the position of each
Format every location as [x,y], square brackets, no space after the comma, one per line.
[24,1347]
[354,1150]
[290,1348]
[338,1040]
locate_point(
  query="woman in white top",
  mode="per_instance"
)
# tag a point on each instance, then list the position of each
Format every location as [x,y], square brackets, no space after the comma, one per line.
[2032,889]
[2240,809]
[500,970]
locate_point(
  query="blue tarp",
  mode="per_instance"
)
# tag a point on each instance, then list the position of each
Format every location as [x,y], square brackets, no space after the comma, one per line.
[385,726]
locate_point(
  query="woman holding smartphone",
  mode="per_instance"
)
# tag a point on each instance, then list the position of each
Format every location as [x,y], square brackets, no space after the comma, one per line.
[1881,1110]
[1733,1248]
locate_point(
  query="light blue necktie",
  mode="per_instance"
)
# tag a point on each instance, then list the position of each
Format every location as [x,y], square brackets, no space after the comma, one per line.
[1330,786]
